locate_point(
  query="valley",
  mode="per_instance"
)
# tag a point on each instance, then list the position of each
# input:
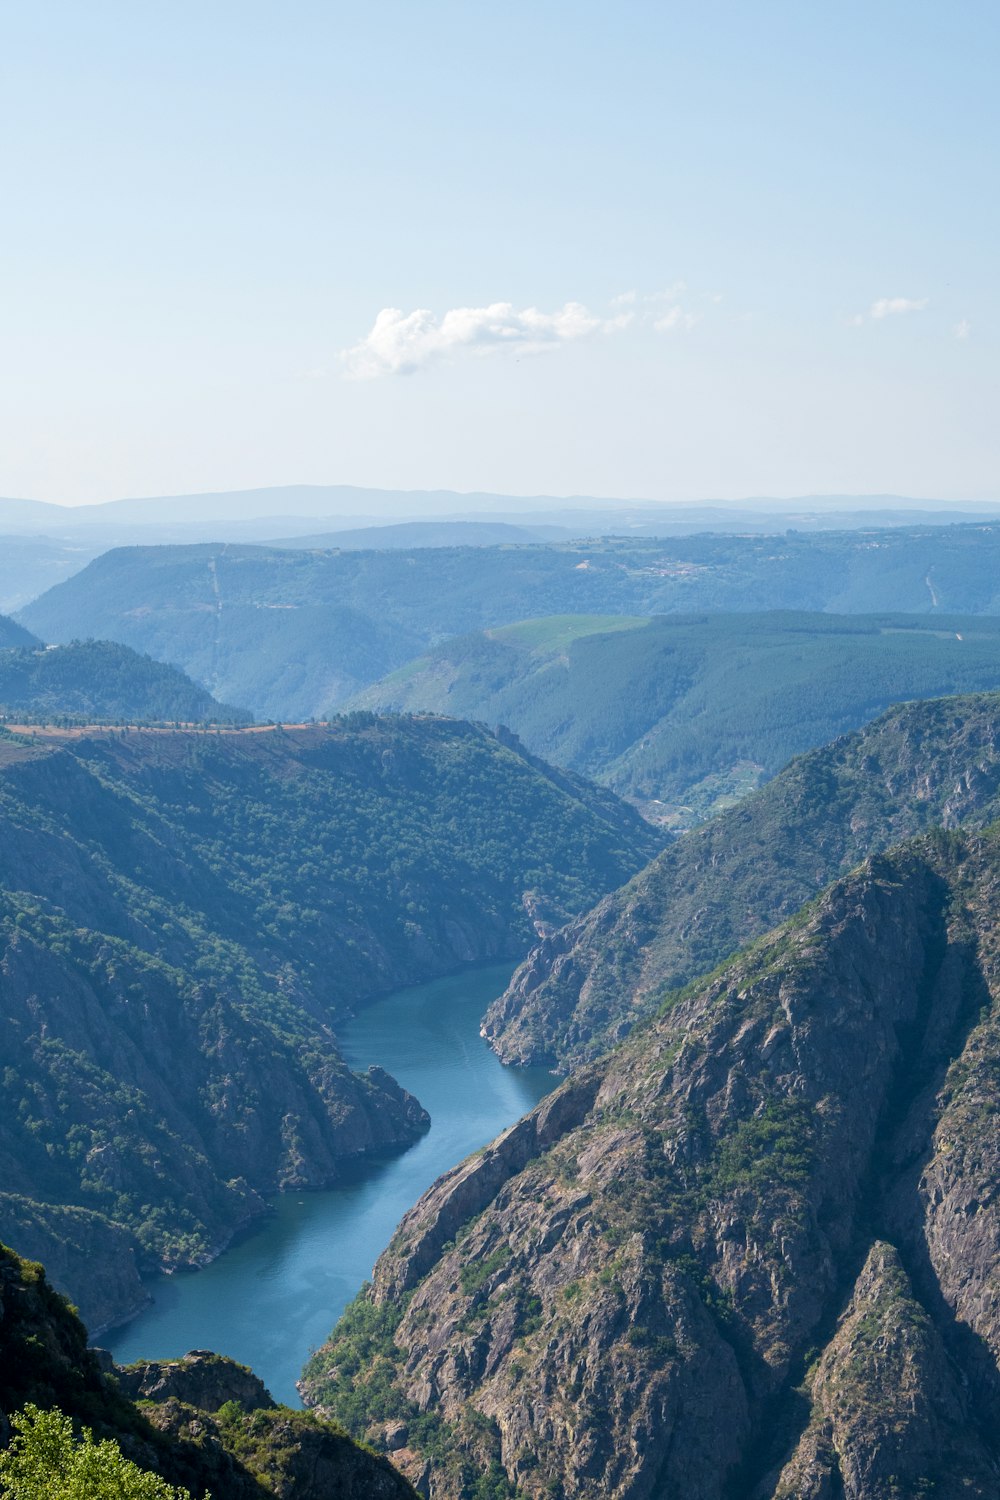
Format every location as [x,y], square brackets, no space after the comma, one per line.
[279,995]
[186,918]
[500,752]
[303,1264]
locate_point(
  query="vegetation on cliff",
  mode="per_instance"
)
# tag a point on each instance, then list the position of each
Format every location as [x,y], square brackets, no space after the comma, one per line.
[627,1293]
[74,1426]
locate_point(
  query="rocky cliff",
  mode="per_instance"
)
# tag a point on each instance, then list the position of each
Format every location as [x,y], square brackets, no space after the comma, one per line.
[583,987]
[237,1446]
[752,1253]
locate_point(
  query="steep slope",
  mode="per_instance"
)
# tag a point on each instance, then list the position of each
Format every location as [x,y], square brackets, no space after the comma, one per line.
[13,634]
[721,885]
[102,682]
[682,711]
[292,634]
[211,1425]
[621,1296]
[182,918]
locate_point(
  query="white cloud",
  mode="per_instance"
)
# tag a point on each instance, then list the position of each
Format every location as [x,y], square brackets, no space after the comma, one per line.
[962,329]
[624,299]
[887,307]
[675,318]
[669,294]
[402,343]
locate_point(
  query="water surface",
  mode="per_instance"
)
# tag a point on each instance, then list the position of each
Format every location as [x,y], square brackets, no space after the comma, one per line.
[273,1297]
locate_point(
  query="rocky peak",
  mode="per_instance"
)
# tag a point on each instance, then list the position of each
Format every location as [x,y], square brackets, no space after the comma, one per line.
[201,1379]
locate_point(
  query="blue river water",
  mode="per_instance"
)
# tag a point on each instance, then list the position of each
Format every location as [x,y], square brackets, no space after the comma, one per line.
[274,1296]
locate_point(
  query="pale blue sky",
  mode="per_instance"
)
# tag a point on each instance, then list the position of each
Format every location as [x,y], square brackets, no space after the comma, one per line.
[207,202]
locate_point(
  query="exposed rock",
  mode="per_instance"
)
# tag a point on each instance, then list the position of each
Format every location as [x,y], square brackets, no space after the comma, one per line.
[889,1415]
[201,1379]
[628,1313]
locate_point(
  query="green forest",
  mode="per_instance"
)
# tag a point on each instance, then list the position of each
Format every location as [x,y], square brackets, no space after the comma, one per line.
[693,710]
[95,682]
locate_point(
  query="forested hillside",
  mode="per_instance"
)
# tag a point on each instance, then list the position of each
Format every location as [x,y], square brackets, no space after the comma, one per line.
[96,682]
[726,883]
[752,1252]
[292,634]
[183,918]
[691,711]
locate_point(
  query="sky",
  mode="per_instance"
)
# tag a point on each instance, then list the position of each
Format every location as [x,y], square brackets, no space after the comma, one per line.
[649,250]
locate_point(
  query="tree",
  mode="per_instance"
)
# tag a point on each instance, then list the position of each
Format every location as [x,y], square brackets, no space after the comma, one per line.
[45,1460]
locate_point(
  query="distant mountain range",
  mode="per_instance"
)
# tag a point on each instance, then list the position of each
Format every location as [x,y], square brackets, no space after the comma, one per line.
[42,543]
[293,634]
[349,502]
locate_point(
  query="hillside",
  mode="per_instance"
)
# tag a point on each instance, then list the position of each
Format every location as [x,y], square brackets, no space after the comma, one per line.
[683,713]
[184,916]
[726,883]
[752,1252]
[14,635]
[97,682]
[407,534]
[205,1423]
[292,634]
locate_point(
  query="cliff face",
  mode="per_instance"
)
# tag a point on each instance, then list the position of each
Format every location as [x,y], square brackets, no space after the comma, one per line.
[184,916]
[887,1410]
[582,988]
[623,1295]
[236,1446]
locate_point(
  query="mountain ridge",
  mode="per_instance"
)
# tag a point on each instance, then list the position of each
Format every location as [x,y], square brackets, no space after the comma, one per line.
[722,885]
[685,713]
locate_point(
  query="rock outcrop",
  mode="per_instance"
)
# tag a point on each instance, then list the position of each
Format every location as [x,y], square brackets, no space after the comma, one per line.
[809,1135]
[201,1378]
[237,1446]
[889,1412]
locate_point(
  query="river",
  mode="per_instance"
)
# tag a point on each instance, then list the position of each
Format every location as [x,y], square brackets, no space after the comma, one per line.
[274,1296]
